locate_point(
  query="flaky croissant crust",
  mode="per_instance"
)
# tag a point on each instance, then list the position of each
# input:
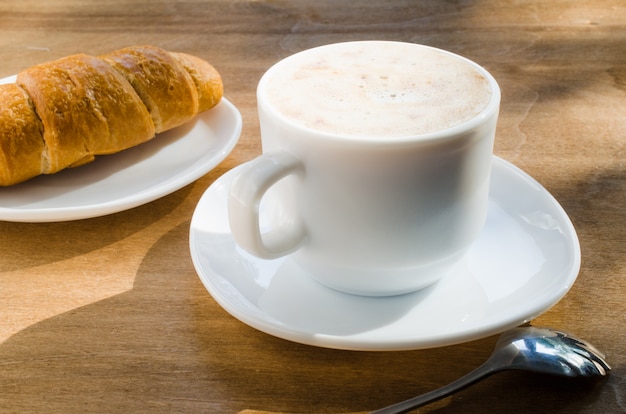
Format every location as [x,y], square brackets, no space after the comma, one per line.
[65,112]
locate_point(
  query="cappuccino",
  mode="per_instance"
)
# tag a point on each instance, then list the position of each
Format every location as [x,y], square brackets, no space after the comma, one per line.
[376,89]
[374,177]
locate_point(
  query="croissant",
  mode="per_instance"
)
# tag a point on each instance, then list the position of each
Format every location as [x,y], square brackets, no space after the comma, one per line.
[64,113]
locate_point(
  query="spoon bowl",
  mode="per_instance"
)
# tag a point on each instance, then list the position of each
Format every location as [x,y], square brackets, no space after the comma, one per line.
[539,350]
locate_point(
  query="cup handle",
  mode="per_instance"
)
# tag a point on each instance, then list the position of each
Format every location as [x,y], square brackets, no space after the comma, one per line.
[244,199]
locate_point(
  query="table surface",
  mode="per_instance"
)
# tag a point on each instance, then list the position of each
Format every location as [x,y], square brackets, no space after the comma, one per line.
[108,314]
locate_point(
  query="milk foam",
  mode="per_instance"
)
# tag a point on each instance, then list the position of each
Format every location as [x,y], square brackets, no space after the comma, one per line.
[376,89]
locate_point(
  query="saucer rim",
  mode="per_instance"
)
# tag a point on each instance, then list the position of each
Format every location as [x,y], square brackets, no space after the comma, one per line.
[276,328]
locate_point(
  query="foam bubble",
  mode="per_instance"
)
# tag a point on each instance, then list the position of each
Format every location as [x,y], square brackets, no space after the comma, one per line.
[377,89]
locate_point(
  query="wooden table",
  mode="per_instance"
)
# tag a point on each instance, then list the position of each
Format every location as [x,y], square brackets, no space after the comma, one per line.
[108,315]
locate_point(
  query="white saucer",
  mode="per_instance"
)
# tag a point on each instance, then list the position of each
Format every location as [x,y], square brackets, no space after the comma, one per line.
[129,178]
[525,260]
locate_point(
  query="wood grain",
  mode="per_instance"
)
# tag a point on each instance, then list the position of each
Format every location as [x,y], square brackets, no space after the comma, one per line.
[108,315]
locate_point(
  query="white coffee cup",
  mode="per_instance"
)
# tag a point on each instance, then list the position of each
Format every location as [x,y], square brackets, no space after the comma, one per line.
[375,166]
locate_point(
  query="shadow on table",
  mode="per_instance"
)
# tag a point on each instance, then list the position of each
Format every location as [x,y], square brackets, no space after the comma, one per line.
[83,236]
[166,346]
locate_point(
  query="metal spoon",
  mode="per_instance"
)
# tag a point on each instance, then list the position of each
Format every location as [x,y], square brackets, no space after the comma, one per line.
[528,348]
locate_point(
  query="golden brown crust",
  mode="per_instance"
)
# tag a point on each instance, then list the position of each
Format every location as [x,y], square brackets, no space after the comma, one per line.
[64,113]
[163,84]
[115,101]
[63,110]
[84,106]
[21,133]
[206,78]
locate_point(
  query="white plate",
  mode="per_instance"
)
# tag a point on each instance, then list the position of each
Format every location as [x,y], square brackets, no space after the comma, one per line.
[525,260]
[130,178]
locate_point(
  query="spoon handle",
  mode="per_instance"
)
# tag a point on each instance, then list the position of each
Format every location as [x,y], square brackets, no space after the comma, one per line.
[482,372]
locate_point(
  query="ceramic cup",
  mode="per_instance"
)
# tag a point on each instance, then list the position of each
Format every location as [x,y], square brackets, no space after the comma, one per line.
[375,170]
